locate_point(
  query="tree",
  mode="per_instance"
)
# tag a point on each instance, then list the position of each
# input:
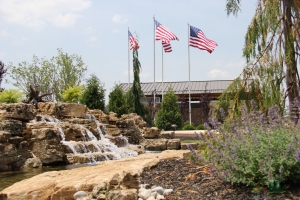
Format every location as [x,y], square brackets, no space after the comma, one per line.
[2,73]
[94,93]
[135,93]
[117,101]
[49,76]
[169,112]
[271,48]
[73,94]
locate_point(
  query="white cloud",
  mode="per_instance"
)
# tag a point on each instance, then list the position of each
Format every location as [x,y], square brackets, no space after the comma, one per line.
[216,73]
[121,19]
[35,13]
[115,31]
[3,33]
[93,39]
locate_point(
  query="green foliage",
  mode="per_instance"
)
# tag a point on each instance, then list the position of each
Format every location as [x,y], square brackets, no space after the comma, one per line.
[256,149]
[72,94]
[200,127]
[271,47]
[117,101]
[188,126]
[169,112]
[94,93]
[11,96]
[48,76]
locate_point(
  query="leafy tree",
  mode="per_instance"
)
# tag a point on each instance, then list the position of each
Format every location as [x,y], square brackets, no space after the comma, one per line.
[169,112]
[117,101]
[73,94]
[94,93]
[271,48]
[2,73]
[49,76]
[11,96]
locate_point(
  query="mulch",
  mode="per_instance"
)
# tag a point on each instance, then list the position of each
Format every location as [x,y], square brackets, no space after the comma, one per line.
[191,181]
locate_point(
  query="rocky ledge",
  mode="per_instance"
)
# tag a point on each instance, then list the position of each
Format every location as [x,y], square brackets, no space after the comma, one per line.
[117,179]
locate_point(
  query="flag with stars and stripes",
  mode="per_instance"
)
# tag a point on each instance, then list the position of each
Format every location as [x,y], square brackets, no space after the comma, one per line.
[198,40]
[165,35]
[133,43]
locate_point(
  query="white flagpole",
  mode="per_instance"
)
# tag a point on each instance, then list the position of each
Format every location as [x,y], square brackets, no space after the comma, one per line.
[128,61]
[154,64]
[162,73]
[190,113]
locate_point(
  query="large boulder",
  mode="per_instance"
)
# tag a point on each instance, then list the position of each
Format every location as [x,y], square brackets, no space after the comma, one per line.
[161,144]
[48,108]
[18,111]
[151,133]
[44,142]
[100,115]
[70,110]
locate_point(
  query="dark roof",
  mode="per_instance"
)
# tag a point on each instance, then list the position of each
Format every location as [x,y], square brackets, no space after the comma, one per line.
[181,87]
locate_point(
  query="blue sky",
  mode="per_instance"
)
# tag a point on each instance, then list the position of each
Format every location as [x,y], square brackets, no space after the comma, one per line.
[97,31]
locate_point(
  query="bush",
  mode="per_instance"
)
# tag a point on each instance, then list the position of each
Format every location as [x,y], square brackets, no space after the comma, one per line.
[72,94]
[188,127]
[255,149]
[11,96]
[117,101]
[200,127]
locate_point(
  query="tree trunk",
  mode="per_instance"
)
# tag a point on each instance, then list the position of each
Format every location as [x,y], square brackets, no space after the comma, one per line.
[290,60]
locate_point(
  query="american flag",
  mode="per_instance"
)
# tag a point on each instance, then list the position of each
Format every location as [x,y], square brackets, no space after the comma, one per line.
[133,43]
[165,35]
[198,40]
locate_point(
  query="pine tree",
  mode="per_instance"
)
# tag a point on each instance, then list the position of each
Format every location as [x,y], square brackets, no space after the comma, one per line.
[94,93]
[169,112]
[117,101]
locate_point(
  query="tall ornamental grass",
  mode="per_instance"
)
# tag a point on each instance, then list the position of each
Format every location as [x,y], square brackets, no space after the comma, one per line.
[256,149]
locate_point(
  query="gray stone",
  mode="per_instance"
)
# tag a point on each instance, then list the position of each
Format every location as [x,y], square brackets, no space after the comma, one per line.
[80,194]
[33,163]
[159,190]
[167,192]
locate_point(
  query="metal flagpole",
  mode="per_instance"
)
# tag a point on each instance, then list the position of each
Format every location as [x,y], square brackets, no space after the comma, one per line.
[154,66]
[190,113]
[162,73]
[128,61]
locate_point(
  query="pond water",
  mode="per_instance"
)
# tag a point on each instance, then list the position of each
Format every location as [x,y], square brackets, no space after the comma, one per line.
[9,178]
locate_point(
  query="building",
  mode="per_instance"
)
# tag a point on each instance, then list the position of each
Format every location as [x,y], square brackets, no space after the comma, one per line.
[212,89]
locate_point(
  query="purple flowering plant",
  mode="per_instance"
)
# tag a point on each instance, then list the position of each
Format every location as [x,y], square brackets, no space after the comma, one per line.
[255,149]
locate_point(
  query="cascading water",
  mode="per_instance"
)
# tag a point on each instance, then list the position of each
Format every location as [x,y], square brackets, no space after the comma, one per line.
[90,149]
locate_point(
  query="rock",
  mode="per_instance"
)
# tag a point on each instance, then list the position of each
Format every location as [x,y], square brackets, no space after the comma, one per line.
[80,194]
[144,193]
[114,182]
[128,194]
[151,198]
[33,163]
[69,110]
[158,189]
[138,148]
[167,192]
[131,180]
[113,130]
[98,190]
[173,144]
[100,115]
[160,197]
[101,197]
[151,133]
[4,136]
[184,146]
[64,184]
[14,127]
[155,144]
[49,108]
[17,111]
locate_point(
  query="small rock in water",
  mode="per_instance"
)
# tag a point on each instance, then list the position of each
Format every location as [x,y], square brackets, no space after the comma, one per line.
[80,194]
